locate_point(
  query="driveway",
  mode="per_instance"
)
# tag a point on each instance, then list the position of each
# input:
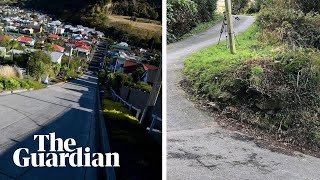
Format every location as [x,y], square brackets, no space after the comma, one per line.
[199,149]
[67,109]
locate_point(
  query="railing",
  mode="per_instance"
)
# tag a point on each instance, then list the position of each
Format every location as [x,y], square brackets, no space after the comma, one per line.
[155,118]
[117,98]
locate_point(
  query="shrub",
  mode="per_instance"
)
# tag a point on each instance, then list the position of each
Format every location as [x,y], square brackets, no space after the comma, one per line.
[142,86]
[206,10]
[24,84]
[39,65]
[239,6]
[9,71]
[1,85]
[310,5]
[35,84]
[290,25]
[8,83]
[181,17]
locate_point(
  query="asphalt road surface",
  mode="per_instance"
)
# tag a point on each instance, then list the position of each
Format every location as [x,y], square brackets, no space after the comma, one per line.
[67,109]
[199,149]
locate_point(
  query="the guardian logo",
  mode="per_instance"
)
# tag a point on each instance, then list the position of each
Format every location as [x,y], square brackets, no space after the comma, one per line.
[65,152]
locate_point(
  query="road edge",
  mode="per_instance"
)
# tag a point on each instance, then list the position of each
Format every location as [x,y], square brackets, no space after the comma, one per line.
[108,172]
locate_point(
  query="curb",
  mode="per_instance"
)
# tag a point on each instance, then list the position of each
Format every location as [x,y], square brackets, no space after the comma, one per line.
[109,172]
[56,84]
[3,93]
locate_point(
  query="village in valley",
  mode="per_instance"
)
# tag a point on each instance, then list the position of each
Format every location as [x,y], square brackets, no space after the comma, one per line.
[84,83]
[70,48]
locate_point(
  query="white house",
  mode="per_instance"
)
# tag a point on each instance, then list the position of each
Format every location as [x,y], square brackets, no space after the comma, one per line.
[124,44]
[56,57]
[55,23]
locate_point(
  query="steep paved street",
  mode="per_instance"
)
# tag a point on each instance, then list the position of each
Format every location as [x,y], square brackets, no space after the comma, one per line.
[67,109]
[199,149]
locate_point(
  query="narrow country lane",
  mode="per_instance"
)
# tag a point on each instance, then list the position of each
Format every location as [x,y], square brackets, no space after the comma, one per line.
[199,149]
[67,109]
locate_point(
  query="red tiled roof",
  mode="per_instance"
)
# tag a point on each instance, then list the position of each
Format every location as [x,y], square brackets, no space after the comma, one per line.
[78,44]
[24,39]
[128,63]
[149,67]
[54,36]
[57,48]
[10,38]
[83,41]
[85,47]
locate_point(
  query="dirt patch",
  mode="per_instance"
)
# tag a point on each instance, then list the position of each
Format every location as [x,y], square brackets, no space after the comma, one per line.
[262,137]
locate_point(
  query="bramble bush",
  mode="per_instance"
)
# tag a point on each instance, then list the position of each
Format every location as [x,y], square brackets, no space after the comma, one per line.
[291,26]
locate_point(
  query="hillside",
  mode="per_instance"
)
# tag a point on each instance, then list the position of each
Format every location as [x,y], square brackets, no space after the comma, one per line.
[97,13]
[150,9]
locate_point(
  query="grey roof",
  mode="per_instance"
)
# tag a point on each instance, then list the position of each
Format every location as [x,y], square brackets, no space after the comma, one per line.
[55,56]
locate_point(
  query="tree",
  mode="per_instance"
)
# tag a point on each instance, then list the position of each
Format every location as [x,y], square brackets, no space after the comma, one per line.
[55,69]
[39,64]
[49,47]
[137,74]
[13,44]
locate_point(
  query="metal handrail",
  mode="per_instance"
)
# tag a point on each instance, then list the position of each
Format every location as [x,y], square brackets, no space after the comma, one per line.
[117,98]
[155,118]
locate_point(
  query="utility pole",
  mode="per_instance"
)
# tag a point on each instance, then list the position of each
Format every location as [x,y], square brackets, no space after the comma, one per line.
[153,95]
[230,27]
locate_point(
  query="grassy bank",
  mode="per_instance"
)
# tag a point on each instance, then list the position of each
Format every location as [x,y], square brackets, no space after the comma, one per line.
[267,86]
[140,154]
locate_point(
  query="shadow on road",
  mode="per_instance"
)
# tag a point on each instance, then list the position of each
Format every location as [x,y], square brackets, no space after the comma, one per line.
[73,119]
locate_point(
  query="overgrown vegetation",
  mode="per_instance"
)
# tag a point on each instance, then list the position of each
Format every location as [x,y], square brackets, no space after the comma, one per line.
[10,83]
[248,6]
[273,82]
[72,68]
[39,65]
[117,80]
[290,25]
[183,15]
[144,9]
